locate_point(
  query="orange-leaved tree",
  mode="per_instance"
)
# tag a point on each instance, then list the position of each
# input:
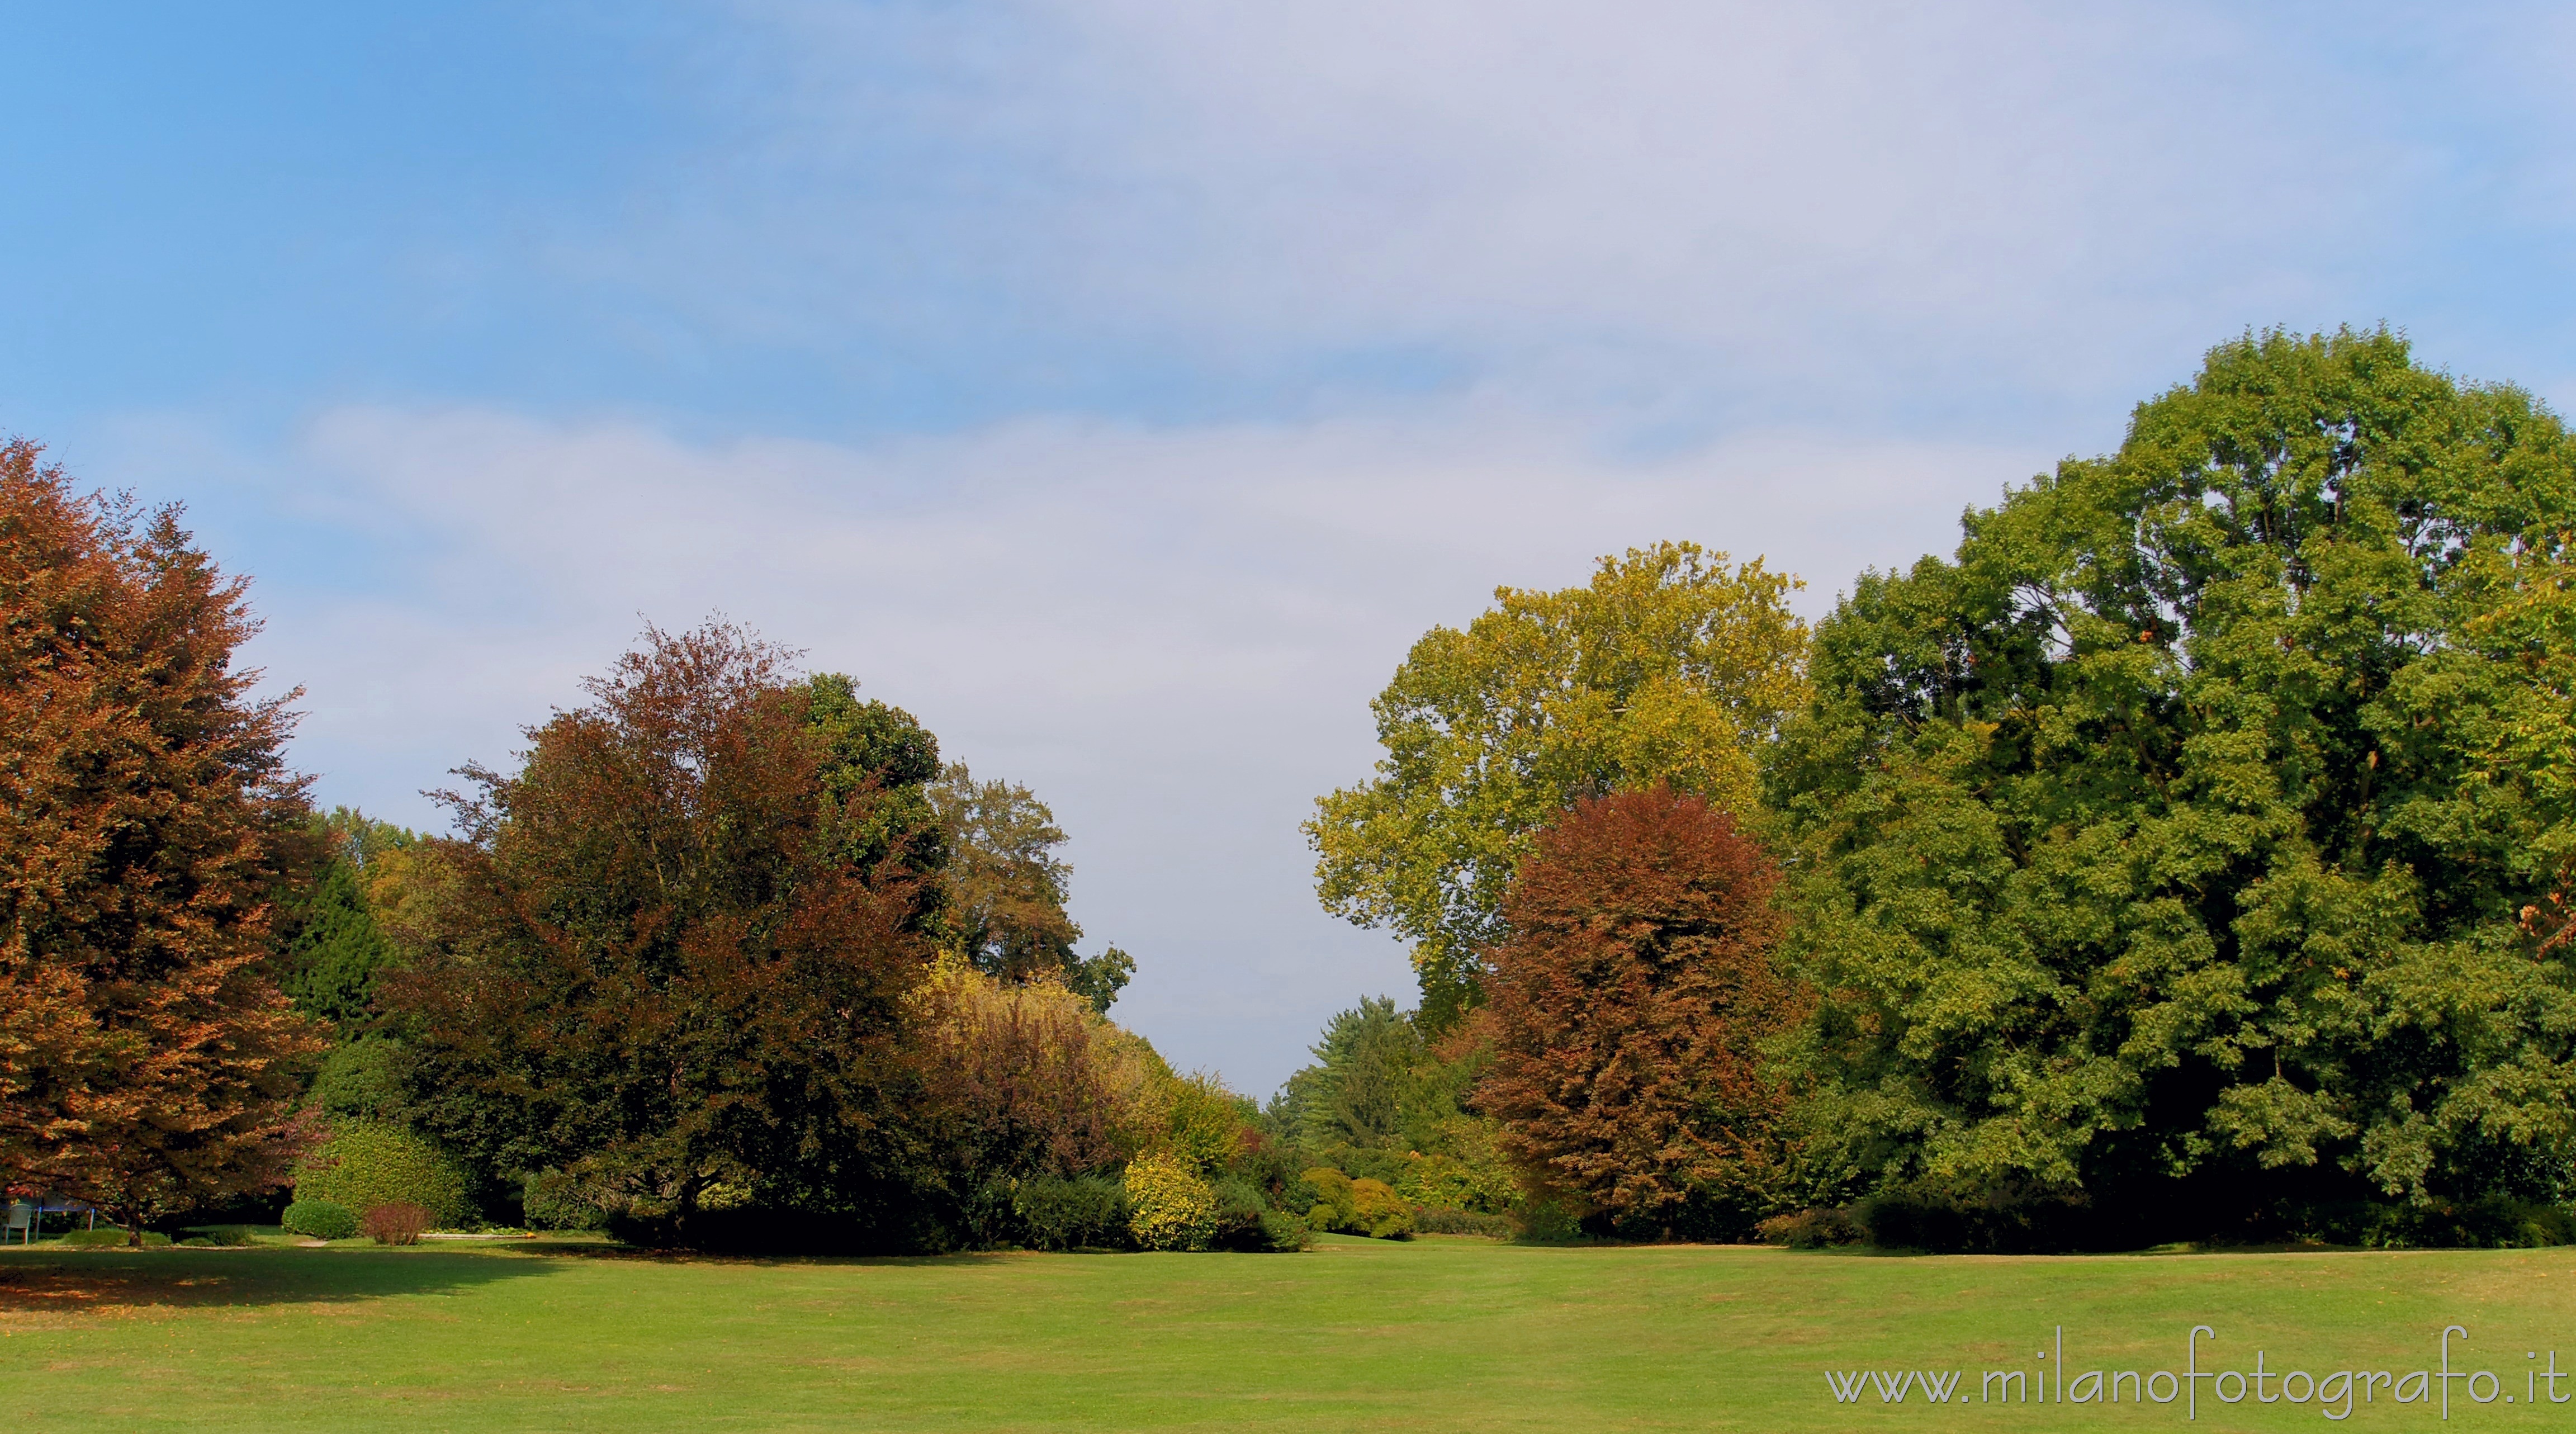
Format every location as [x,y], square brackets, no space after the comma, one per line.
[147,1061]
[1629,1004]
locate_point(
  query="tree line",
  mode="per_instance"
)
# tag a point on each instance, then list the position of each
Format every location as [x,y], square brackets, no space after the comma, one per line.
[2185,856]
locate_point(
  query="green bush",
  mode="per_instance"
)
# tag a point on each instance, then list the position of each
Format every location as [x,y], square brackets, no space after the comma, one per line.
[1086,1212]
[1379,1212]
[1547,1222]
[552,1200]
[1330,1206]
[108,1237]
[321,1219]
[1448,1183]
[367,1163]
[1169,1206]
[1246,1223]
[230,1237]
[1439,1220]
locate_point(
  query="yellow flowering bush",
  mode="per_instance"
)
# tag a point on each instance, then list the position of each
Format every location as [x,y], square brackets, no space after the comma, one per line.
[1169,1206]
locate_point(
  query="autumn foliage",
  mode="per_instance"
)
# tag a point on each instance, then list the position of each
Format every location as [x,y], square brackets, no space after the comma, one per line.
[147,1062]
[1628,1007]
[673,956]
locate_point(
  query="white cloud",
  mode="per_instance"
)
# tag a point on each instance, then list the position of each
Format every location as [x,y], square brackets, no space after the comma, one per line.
[1172,636]
[1818,207]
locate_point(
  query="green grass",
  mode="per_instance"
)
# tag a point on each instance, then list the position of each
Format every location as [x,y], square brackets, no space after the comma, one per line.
[1438,1334]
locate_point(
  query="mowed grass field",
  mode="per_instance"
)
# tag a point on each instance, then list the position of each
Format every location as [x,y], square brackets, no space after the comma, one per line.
[1435,1334]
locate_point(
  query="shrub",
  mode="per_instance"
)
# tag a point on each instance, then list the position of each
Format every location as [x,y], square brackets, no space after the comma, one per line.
[1548,1222]
[396,1223]
[367,1163]
[108,1237]
[552,1200]
[320,1219]
[1440,1220]
[230,1237]
[1085,1212]
[1244,1222]
[1812,1229]
[1379,1212]
[1330,1206]
[1169,1206]
[1446,1182]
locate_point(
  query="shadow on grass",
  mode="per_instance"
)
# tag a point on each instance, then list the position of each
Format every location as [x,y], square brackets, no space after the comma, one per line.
[126,1281]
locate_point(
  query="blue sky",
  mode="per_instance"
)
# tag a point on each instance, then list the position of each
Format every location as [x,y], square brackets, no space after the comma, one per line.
[1122,385]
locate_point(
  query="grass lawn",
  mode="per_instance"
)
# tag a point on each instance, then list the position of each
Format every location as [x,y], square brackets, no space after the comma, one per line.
[1436,1334]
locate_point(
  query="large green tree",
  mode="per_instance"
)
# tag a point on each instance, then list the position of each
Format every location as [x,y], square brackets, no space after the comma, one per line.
[2170,845]
[1670,668]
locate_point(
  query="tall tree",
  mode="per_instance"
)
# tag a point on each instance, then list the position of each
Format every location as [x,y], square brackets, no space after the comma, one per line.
[147,1062]
[2170,845]
[1354,1091]
[1006,888]
[1630,1006]
[1670,668]
[674,953]
[333,945]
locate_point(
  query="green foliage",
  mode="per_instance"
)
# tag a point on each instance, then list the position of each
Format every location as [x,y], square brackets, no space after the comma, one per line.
[1433,1220]
[1669,668]
[1378,1212]
[229,1237]
[1449,1183]
[369,1163]
[1007,888]
[1245,1222]
[1084,1212]
[109,1237]
[2169,848]
[1352,1093]
[1331,1205]
[334,946]
[320,1219]
[1205,1123]
[552,1200]
[365,1079]
[1381,1101]
[878,763]
[1169,1206]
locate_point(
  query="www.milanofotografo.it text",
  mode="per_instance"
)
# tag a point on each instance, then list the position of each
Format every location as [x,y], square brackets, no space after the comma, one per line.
[2334,1393]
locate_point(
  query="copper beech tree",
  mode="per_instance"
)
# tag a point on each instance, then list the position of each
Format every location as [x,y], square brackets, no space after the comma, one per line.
[147,1062]
[1628,1006]
[675,952]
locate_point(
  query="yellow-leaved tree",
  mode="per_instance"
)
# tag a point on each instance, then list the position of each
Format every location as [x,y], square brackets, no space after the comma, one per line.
[1670,668]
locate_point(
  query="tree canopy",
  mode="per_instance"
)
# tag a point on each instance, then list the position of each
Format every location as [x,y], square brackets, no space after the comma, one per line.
[676,954]
[147,1061]
[1629,1010]
[1006,889]
[2176,841]
[1671,667]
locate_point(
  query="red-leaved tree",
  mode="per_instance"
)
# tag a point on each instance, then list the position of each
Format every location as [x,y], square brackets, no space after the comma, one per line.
[147,1062]
[667,958]
[1628,1006]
